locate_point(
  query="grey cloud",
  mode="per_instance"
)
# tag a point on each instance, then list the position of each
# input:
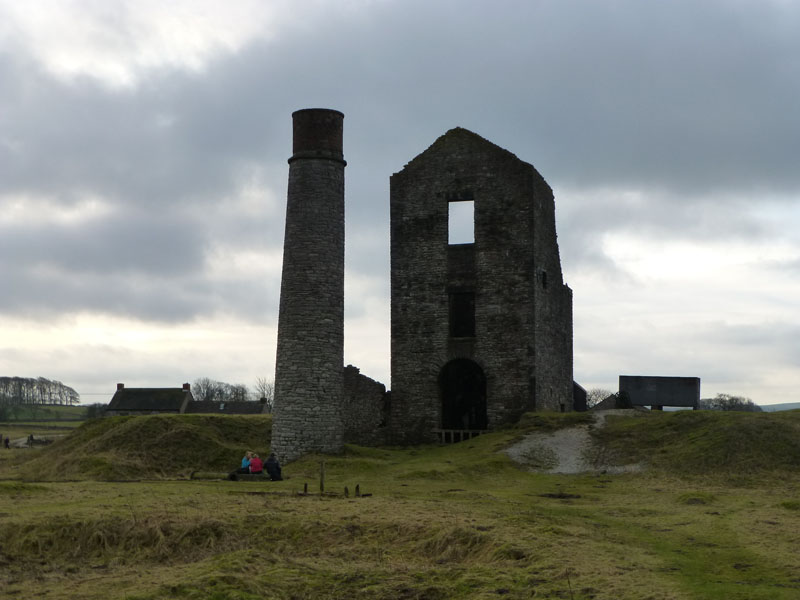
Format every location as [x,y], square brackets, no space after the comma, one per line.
[686,103]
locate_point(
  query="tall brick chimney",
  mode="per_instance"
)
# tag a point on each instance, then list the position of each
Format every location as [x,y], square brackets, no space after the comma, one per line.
[310,355]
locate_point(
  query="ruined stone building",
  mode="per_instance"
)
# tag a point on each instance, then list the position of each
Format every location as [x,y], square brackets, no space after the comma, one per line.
[481,331]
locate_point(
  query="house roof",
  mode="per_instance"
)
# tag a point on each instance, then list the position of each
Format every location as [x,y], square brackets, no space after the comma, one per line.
[149,399]
[225,408]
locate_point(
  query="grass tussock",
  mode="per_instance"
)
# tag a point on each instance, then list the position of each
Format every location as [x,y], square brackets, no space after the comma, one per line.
[115,540]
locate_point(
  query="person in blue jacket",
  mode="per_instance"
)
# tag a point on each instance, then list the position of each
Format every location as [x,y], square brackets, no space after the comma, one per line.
[245,468]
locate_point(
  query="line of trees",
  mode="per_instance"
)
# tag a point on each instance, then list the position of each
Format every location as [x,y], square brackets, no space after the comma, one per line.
[40,390]
[205,388]
[719,402]
[729,402]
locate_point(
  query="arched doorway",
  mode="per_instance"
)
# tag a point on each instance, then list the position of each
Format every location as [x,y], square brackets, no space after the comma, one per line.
[462,386]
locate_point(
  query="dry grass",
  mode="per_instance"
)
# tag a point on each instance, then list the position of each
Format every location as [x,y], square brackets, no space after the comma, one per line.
[442,522]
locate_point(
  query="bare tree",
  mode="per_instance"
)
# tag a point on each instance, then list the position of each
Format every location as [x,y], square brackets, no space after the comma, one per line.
[205,389]
[265,390]
[208,389]
[237,392]
[596,395]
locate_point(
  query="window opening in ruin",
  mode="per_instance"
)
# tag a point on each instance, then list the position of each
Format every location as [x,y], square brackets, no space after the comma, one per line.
[462,385]
[461,222]
[544,279]
[462,314]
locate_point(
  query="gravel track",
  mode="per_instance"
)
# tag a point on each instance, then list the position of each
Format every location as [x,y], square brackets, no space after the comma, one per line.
[568,451]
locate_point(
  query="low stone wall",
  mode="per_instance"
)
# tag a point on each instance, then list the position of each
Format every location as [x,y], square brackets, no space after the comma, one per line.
[364,409]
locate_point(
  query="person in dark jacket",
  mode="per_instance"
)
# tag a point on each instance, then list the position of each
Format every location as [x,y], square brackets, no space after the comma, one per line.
[273,468]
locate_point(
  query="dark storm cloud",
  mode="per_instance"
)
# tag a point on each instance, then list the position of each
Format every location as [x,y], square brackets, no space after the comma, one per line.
[671,96]
[167,172]
[688,104]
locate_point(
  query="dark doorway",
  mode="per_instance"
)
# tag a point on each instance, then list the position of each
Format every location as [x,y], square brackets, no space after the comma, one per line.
[463,388]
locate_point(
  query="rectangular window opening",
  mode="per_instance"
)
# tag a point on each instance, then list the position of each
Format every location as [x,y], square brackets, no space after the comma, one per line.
[462,314]
[461,222]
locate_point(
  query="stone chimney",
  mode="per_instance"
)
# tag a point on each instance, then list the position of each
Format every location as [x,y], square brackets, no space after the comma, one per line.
[120,386]
[310,354]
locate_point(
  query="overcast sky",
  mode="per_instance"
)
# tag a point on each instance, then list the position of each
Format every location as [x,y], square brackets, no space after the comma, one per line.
[143,175]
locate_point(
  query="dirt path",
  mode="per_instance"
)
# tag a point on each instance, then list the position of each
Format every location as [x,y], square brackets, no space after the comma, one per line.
[568,450]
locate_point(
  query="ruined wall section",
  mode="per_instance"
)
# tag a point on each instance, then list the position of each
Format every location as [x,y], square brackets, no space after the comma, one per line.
[419,317]
[364,409]
[552,308]
[505,319]
[310,353]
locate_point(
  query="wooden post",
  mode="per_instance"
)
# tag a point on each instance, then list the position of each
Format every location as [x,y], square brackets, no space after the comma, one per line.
[322,477]
[346,492]
[305,489]
[358,490]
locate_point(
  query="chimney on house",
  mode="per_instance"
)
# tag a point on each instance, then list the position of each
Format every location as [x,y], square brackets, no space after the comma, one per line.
[120,386]
[186,387]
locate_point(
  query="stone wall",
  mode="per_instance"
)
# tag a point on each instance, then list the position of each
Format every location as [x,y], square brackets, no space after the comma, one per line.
[364,409]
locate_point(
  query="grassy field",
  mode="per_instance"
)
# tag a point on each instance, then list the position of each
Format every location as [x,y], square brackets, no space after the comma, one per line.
[46,412]
[110,512]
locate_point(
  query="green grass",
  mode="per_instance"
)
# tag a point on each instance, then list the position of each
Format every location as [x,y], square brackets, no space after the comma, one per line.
[459,521]
[45,412]
[706,443]
[154,446]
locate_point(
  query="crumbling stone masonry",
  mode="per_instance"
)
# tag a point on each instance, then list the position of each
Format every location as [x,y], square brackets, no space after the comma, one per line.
[364,409]
[482,331]
[310,354]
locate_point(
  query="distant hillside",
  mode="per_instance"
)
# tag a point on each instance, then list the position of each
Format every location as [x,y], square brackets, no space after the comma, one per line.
[153,446]
[779,407]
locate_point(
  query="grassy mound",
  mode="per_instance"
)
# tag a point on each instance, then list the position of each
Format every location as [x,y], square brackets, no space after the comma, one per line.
[687,443]
[153,446]
[704,442]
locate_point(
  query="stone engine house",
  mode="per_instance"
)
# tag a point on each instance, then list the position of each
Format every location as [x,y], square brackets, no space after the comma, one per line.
[481,331]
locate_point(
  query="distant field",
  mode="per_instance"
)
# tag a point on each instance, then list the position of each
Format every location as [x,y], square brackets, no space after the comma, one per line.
[45,412]
[718,520]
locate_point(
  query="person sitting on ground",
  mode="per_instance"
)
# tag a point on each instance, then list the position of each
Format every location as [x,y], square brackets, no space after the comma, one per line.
[273,468]
[245,468]
[256,466]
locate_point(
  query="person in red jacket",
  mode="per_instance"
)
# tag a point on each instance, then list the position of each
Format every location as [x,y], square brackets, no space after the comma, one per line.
[256,466]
